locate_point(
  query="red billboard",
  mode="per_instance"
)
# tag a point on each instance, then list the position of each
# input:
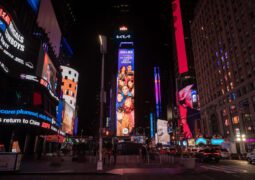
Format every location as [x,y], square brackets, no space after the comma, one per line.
[179,37]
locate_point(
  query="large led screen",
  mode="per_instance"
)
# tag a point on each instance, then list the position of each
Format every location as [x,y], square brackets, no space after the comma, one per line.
[17,52]
[179,37]
[125,93]
[49,72]
[68,120]
[162,133]
[188,109]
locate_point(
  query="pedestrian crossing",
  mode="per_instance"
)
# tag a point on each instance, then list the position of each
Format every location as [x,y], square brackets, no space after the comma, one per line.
[226,169]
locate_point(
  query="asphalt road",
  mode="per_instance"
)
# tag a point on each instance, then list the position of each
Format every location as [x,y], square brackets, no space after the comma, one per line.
[224,170]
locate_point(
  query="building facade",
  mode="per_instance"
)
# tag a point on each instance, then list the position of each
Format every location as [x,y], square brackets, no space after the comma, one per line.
[223,35]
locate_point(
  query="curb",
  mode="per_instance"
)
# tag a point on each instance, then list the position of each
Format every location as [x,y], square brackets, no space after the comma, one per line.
[57,173]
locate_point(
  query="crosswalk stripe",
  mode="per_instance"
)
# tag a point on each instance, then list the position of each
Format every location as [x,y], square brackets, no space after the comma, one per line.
[227,169]
[232,168]
[217,169]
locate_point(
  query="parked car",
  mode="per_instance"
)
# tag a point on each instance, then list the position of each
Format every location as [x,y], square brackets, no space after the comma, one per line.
[172,151]
[251,159]
[208,155]
[249,154]
[224,154]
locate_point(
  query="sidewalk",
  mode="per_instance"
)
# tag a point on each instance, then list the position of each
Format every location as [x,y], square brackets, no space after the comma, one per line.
[67,166]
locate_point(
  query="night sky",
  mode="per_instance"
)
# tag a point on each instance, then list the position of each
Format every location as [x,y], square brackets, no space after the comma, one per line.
[149,25]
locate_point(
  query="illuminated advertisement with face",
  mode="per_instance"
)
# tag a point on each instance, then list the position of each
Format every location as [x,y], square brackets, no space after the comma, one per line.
[188,109]
[49,72]
[125,92]
[68,120]
[162,135]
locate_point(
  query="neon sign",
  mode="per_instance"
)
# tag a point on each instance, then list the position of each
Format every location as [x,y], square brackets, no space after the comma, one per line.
[201,141]
[217,141]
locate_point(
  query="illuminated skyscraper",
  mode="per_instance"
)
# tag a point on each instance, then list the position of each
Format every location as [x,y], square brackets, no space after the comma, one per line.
[224,55]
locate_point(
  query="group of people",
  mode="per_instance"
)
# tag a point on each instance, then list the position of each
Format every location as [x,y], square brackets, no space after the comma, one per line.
[125,101]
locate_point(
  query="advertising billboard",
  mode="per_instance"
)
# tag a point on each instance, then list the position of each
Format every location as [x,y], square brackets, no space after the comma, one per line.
[68,120]
[49,72]
[179,37]
[162,134]
[125,93]
[188,109]
[17,52]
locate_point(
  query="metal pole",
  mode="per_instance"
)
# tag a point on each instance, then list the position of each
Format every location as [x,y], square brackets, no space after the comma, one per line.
[100,162]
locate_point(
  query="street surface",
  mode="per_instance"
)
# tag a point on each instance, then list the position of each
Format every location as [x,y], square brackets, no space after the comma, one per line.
[227,169]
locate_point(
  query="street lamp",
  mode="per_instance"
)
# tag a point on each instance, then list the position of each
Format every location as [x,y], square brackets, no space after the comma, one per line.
[241,140]
[103,50]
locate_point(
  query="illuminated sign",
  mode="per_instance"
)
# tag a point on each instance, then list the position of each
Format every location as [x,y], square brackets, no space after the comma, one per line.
[217,141]
[19,121]
[26,113]
[191,142]
[201,141]
[157,92]
[151,125]
[4,15]
[179,37]
[188,110]
[4,67]
[45,125]
[123,28]
[29,77]
[2,26]
[162,135]
[68,119]
[39,80]
[123,36]
[125,92]
[34,4]
[12,42]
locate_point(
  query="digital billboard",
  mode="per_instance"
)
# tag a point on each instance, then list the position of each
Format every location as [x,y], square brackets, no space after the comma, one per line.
[125,93]
[188,109]
[162,134]
[68,120]
[15,49]
[179,37]
[49,72]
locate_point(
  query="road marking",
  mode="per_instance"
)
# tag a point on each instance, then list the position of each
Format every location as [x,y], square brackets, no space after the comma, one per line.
[217,169]
[227,169]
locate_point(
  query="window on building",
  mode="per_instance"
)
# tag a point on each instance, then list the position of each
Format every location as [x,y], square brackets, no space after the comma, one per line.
[235,120]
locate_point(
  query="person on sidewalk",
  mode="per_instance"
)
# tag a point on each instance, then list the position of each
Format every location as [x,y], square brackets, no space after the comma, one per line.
[144,153]
[114,152]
